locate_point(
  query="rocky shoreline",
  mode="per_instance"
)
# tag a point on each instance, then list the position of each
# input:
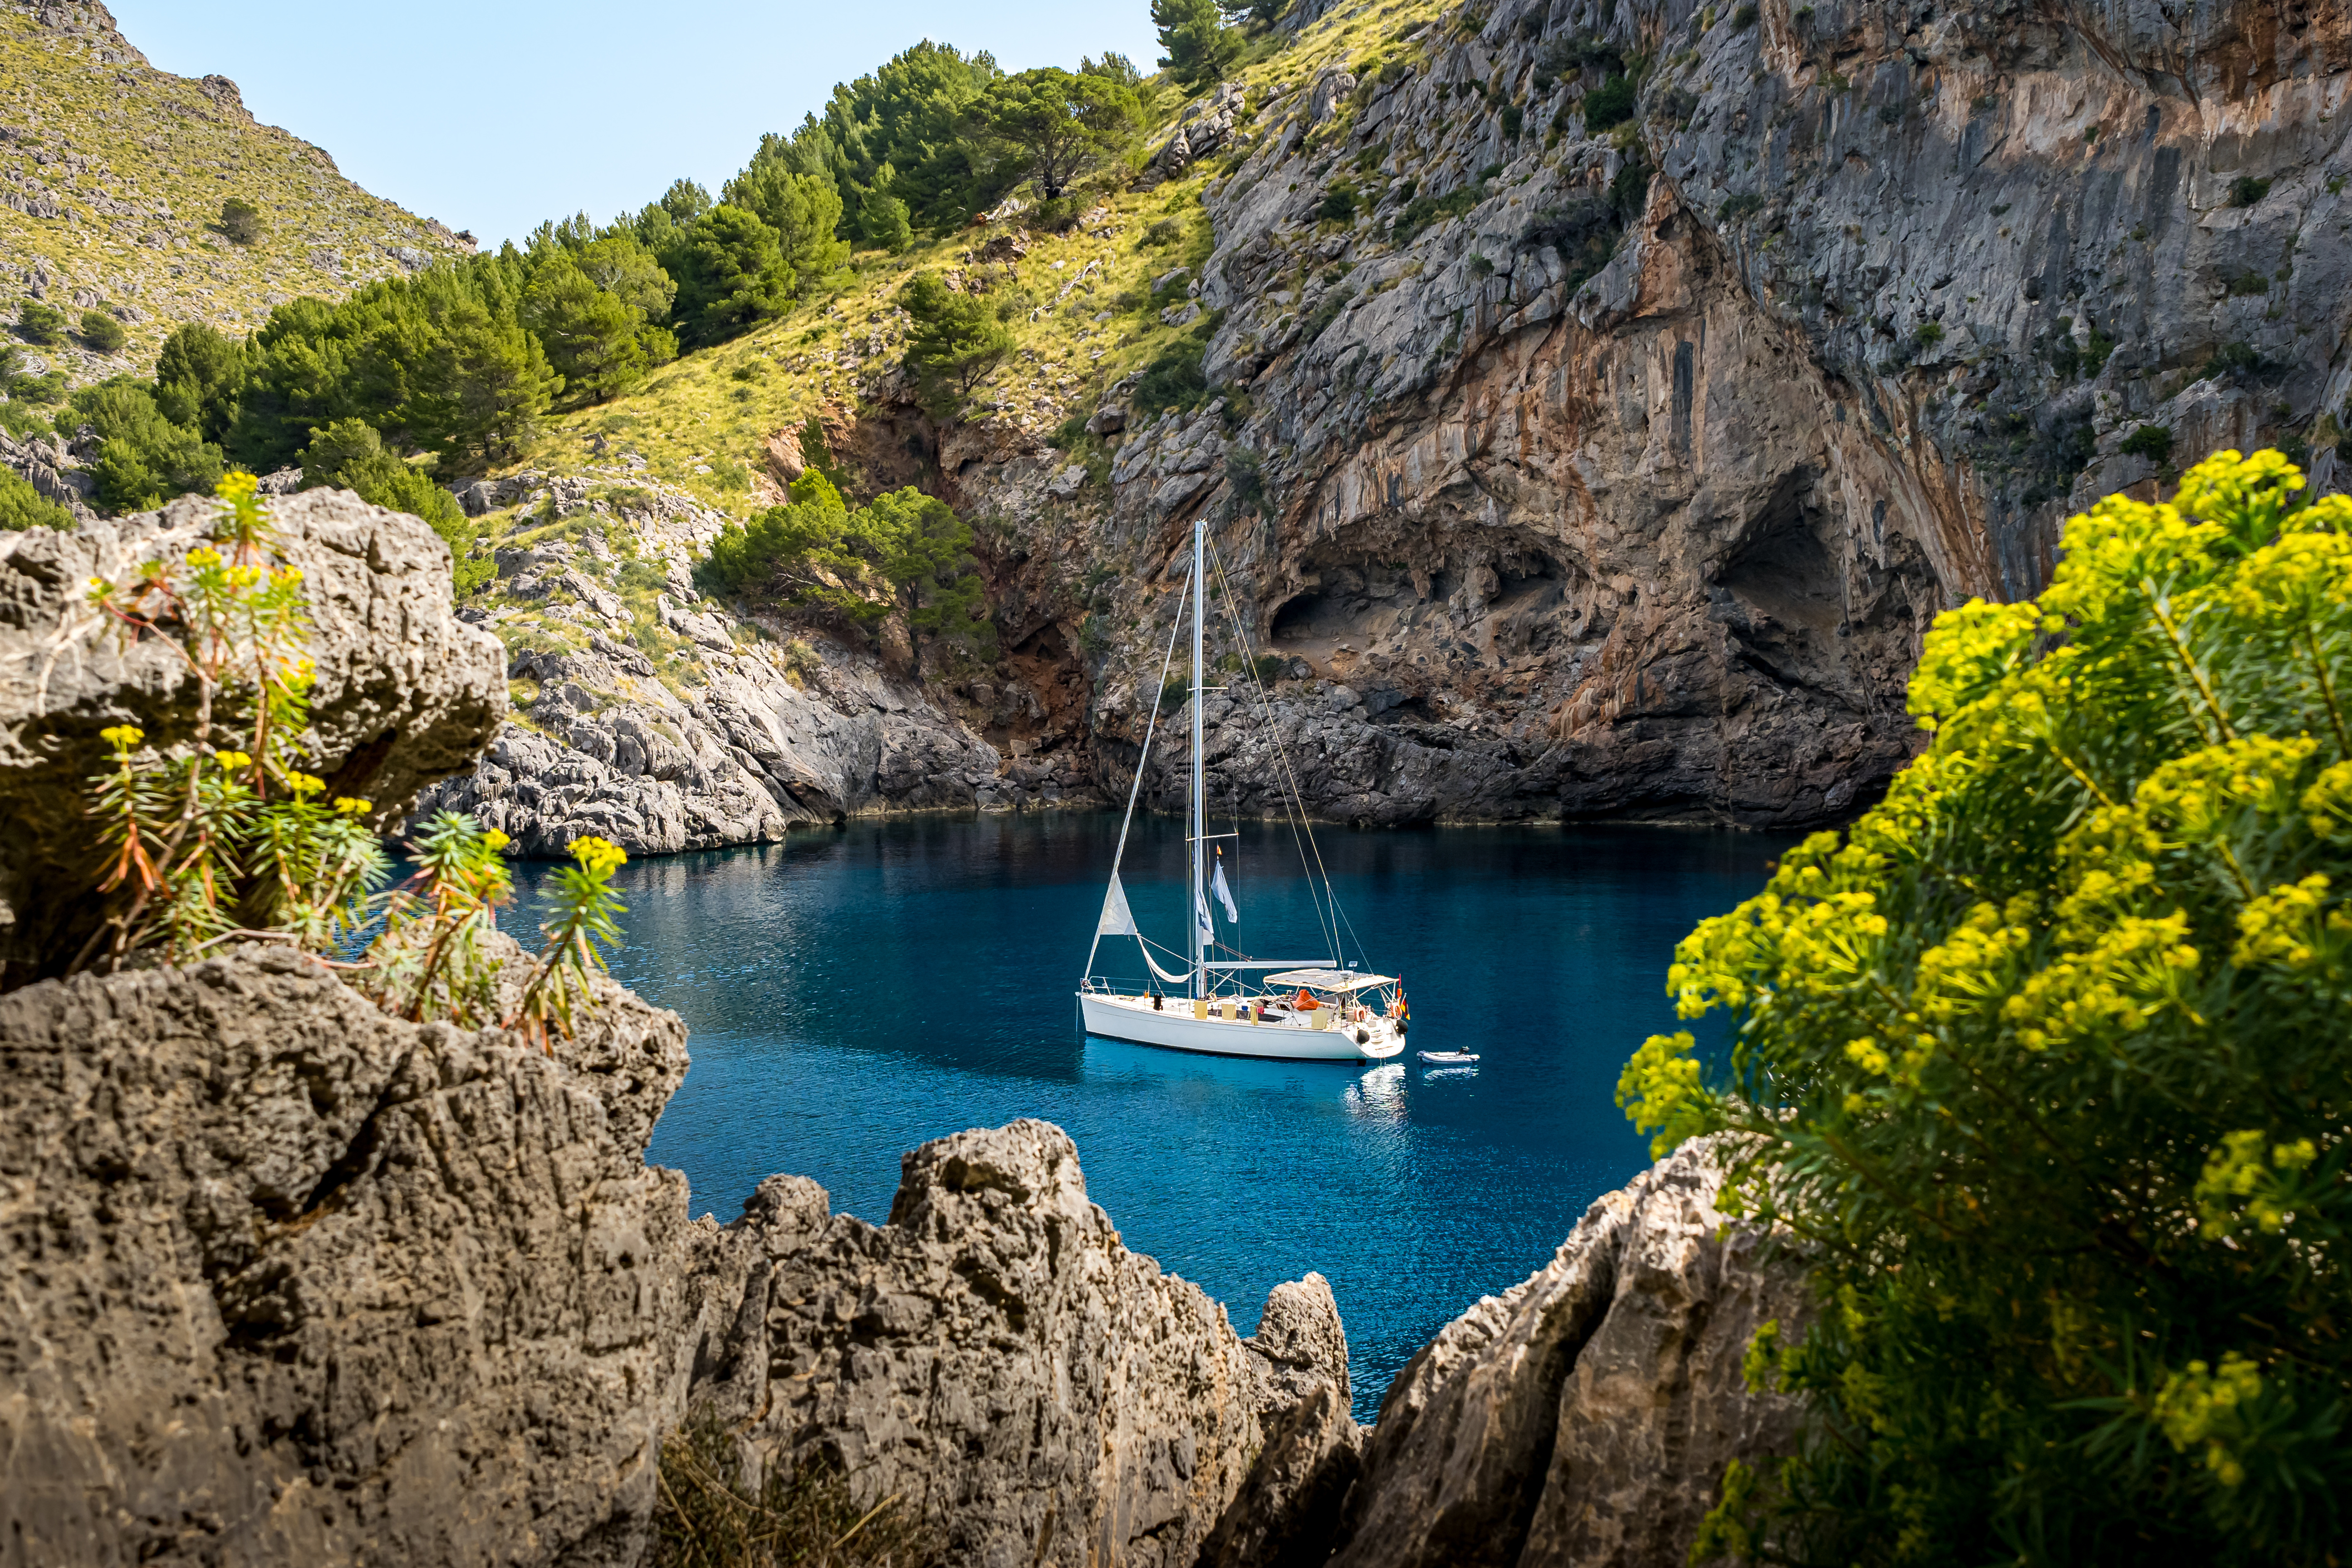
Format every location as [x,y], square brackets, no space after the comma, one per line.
[285,1278]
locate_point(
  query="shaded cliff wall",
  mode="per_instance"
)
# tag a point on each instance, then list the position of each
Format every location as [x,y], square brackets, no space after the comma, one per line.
[1630,486]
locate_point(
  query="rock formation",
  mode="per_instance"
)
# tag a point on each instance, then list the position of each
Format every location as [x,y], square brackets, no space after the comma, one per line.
[292,1281]
[996,1356]
[405,694]
[1584,1417]
[1612,457]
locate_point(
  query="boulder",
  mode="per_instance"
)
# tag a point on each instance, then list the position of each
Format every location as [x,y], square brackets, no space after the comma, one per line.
[287,1281]
[405,693]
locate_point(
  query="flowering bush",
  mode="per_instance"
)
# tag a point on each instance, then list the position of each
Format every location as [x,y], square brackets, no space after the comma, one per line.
[2046,1064]
[226,836]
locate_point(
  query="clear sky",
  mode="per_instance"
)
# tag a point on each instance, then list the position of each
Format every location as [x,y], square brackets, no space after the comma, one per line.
[492,115]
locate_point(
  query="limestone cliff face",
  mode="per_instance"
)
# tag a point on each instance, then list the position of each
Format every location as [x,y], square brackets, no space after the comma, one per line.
[1630,486]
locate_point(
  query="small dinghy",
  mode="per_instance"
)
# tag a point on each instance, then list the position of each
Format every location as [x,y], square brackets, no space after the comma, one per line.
[1447,1058]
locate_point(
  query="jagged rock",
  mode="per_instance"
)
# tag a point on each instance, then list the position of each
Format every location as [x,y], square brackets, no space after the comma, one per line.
[1584,1417]
[1336,83]
[291,1281]
[612,751]
[1293,1503]
[1632,475]
[405,694]
[992,1353]
[1301,1345]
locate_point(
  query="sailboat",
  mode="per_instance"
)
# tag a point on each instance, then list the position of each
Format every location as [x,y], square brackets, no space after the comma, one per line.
[1317,1009]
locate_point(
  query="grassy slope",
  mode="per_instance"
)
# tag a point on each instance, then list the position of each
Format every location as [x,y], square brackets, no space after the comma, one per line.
[701,422]
[159,144]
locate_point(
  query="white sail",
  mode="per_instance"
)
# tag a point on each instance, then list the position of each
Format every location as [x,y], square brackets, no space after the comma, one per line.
[1224,894]
[1118,919]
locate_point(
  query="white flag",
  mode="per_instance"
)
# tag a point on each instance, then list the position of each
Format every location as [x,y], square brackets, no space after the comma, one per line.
[1117,919]
[1208,925]
[1224,894]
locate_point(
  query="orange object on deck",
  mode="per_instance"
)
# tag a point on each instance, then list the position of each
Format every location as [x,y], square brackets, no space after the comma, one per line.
[1305,1001]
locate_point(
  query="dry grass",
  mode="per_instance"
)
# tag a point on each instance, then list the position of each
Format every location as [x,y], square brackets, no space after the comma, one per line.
[142,160]
[812,1517]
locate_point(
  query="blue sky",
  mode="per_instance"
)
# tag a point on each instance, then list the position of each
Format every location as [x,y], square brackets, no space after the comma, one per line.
[495,114]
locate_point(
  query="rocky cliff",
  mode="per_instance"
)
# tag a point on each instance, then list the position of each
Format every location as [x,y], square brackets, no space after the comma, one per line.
[1593,467]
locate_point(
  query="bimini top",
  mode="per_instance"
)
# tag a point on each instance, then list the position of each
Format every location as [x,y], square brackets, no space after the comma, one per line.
[1330,979]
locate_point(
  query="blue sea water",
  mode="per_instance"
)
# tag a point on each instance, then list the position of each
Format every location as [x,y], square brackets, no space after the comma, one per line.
[854,993]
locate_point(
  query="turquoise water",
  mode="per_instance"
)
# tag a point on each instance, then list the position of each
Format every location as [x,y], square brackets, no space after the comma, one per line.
[853,994]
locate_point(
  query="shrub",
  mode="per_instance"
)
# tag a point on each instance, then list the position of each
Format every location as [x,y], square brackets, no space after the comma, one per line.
[1610,104]
[1929,335]
[2153,442]
[2044,1064]
[349,454]
[955,342]
[807,1517]
[1269,667]
[39,323]
[1514,117]
[1338,202]
[1172,380]
[240,220]
[1745,204]
[143,456]
[23,507]
[1743,18]
[102,332]
[2246,190]
[1174,692]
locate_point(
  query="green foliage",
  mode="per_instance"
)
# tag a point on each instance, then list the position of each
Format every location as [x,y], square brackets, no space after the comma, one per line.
[23,507]
[41,324]
[582,921]
[1610,104]
[1173,379]
[143,456]
[731,276]
[925,554]
[1269,667]
[1514,117]
[1743,18]
[435,957]
[1200,47]
[240,220]
[221,832]
[2246,190]
[896,144]
[803,210]
[2046,1068]
[351,453]
[199,378]
[1339,203]
[102,332]
[1421,212]
[804,1517]
[1928,335]
[2153,442]
[1050,126]
[905,551]
[955,341]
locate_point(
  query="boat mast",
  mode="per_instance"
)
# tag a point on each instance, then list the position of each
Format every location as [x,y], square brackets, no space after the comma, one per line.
[1200,619]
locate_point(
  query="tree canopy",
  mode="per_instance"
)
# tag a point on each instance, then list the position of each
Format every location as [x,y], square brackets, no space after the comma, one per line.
[2045,1068]
[1054,125]
[954,341]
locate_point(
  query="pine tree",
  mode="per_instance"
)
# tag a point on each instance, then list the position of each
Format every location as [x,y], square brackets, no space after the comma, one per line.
[1200,47]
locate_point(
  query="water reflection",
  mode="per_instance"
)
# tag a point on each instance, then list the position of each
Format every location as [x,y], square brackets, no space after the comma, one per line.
[853,994]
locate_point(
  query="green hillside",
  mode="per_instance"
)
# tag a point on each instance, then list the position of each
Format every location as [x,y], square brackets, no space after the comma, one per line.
[112,176]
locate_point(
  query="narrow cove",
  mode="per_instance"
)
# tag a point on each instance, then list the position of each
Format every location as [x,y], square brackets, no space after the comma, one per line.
[852,993]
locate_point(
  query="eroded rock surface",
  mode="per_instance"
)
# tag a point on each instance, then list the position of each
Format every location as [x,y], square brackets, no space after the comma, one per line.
[1583,1418]
[995,1354]
[1614,465]
[292,1281]
[756,748]
[405,693]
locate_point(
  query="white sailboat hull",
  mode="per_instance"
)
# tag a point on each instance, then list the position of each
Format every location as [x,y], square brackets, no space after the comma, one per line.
[1133,1018]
